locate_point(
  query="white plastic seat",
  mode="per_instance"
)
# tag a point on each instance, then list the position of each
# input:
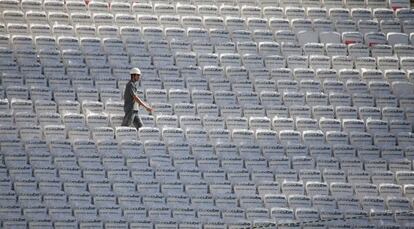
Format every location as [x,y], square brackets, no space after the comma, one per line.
[405,63]
[20,105]
[323,26]
[357,176]
[208,10]
[334,49]
[13,16]
[264,35]
[207,59]
[234,23]
[315,12]
[125,19]
[17,92]
[181,109]
[183,59]
[397,38]
[381,12]
[162,108]
[306,214]
[67,106]
[275,201]
[193,75]
[189,21]
[219,36]
[390,25]
[241,35]
[40,29]
[281,123]
[132,37]
[365,62]
[289,137]
[377,4]
[336,137]
[11,5]
[219,135]
[230,215]
[156,95]
[269,98]
[178,96]
[166,121]
[272,62]
[119,7]
[403,177]
[316,101]
[263,87]
[40,93]
[196,135]
[299,201]
[97,7]
[148,20]
[142,8]
[346,112]
[389,113]
[213,23]
[367,26]
[358,11]
[196,34]
[72,120]
[230,10]
[280,214]
[318,61]
[359,50]
[80,18]
[396,5]
[345,25]
[201,96]
[291,98]
[122,133]
[213,121]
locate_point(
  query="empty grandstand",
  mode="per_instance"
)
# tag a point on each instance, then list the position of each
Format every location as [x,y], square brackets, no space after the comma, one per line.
[267,114]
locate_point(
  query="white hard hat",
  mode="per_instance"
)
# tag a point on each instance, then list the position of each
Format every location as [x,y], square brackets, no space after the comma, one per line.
[135,71]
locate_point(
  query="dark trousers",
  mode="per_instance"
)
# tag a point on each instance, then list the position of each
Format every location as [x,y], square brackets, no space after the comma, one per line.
[132,116]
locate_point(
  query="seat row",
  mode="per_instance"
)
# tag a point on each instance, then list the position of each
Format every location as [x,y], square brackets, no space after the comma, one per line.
[396,116]
[87,46]
[343,79]
[98,180]
[293,178]
[262,141]
[279,32]
[212,9]
[75,5]
[171,198]
[293,143]
[204,149]
[161,55]
[191,218]
[340,78]
[354,117]
[327,115]
[246,59]
[318,21]
[309,92]
[236,88]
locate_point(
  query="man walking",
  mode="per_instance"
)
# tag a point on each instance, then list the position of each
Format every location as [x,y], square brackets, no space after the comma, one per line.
[132,101]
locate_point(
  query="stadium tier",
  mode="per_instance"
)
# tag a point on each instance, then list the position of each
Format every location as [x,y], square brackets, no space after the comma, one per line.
[267,114]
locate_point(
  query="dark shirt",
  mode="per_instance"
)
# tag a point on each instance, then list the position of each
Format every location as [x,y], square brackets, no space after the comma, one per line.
[128,96]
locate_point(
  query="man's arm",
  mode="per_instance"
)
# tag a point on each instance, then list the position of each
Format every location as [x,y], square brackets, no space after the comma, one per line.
[142,103]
